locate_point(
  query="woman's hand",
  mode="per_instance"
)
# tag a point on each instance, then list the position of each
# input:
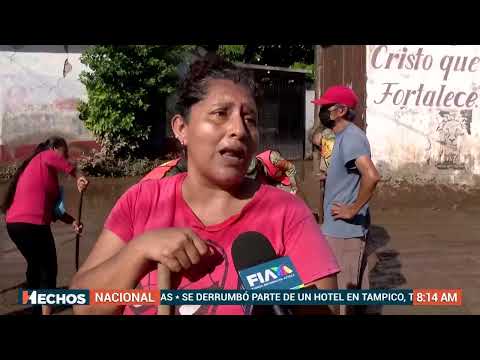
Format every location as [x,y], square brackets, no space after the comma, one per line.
[82,183]
[77,227]
[176,248]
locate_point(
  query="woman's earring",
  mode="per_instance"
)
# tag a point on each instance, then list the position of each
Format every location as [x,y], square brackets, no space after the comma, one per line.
[184,150]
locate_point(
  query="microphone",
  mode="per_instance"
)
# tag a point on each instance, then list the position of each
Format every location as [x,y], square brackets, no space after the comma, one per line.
[259,267]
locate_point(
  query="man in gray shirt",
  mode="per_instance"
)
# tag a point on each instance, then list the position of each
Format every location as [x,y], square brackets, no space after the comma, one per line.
[351,181]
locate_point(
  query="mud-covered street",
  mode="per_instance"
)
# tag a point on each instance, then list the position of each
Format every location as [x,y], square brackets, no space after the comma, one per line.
[422,237]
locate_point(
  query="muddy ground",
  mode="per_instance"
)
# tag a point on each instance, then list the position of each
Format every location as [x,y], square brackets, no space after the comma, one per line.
[423,237]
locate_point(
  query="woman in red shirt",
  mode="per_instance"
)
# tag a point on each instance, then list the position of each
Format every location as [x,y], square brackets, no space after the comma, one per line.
[188,222]
[29,206]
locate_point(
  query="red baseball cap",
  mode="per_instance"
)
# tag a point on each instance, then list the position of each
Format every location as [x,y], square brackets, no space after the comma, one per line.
[338,95]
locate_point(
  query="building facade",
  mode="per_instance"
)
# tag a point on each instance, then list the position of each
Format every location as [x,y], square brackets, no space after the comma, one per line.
[39,92]
[419,107]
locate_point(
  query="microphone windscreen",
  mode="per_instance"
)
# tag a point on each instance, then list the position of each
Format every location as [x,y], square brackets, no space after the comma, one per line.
[250,249]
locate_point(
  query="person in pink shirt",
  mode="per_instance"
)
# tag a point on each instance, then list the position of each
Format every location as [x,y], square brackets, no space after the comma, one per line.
[31,204]
[188,222]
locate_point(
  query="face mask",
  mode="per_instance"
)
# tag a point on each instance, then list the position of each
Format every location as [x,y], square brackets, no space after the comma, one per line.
[325,119]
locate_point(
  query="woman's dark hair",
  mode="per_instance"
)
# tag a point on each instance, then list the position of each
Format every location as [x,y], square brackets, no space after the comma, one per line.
[194,86]
[51,143]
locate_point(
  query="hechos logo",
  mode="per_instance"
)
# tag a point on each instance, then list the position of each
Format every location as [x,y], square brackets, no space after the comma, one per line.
[53,297]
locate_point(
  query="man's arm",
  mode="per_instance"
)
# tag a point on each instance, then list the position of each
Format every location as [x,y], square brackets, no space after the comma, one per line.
[369,177]
[368,181]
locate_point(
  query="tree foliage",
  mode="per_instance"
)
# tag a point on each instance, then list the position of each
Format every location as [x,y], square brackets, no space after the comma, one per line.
[234,53]
[283,55]
[126,88]
[127,85]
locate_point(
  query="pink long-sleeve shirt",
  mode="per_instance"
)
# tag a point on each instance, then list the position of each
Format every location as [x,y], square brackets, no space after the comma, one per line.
[38,189]
[281,217]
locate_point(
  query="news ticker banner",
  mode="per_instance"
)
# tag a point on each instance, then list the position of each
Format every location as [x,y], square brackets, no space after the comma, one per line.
[430,297]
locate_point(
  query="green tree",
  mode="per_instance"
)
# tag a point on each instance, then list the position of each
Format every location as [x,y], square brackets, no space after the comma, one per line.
[127,85]
[308,67]
[294,56]
[126,88]
[233,53]
[284,55]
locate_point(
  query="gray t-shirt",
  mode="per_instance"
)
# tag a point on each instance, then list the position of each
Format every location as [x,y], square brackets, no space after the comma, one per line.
[343,183]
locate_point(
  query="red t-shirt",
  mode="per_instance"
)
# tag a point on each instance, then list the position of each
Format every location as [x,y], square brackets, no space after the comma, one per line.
[281,217]
[38,190]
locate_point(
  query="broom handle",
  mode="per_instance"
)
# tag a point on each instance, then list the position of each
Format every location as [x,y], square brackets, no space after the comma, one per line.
[163,282]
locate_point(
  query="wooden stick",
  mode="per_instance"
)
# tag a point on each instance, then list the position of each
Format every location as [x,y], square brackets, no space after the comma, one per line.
[77,237]
[163,282]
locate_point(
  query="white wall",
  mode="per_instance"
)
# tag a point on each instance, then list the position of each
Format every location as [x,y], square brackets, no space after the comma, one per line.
[438,130]
[309,119]
[35,95]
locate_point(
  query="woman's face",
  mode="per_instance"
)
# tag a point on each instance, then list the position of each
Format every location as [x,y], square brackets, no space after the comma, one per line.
[63,151]
[221,134]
